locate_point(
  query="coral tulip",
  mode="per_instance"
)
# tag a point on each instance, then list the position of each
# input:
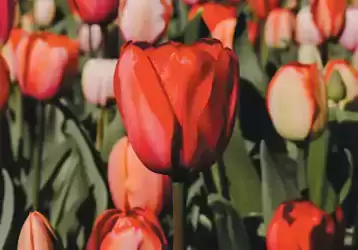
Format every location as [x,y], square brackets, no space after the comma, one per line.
[301,225]
[262,8]
[306,30]
[157,15]
[94,11]
[329,16]
[43,61]
[129,180]
[220,19]
[6,19]
[44,12]
[177,91]
[90,37]
[347,76]
[349,37]
[308,54]
[97,80]
[37,234]
[297,101]
[132,230]
[4,82]
[279,28]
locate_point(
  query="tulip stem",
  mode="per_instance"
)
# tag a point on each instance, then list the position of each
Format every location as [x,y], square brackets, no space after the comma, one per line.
[39,130]
[101,128]
[178,215]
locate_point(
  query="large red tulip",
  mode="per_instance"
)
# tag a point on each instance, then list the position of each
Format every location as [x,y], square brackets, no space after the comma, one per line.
[6,19]
[4,82]
[132,230]
[300,225]
[95,11]
[129,180]
[177,101]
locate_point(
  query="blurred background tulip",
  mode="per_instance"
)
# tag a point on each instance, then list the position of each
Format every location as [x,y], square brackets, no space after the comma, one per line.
[42,63]
[150,29]
[301,225]
[349,37]
[220,19]
[129,180]
[44,12]
[252,31]
[306,30]
[27,22]
[95,11]
[279,28]
[133,230]
[6,19]
[37,234]
[146,84]
[329,16]
[261,8]
[297,101]
[4,83]
[308,54]
[90,37]
[97,80]
[17,16]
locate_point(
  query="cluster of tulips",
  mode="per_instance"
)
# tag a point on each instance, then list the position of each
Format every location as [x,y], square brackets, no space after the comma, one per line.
[179,102]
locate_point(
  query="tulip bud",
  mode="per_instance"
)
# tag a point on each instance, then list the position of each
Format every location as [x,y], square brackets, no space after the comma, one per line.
[220,19]
[306,30]
[36,234]
[90,37]
[329,16]
[338,72]
[135,230]
[279,28]
[335,86]
[300,225]
[97,80]
[297,101]
[252,31]
[150,29]
[44,12]
[6,19]
[261,8]
[4,83]
[308,54]
[349,37]
[129,180]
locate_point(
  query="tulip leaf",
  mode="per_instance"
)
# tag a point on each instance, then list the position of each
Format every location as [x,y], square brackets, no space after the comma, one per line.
[8,206]
[348,184]
[337,51]
[279,180]
[230,228]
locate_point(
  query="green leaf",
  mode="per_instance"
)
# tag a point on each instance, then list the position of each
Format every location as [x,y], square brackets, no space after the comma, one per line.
[230,228]
[348,184]
[279,180]
[337,51]
[8,207]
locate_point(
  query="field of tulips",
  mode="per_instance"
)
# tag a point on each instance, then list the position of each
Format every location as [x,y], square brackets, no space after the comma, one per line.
[179,124]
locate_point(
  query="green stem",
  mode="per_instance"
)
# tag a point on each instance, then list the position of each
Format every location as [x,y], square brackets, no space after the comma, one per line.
[40,115]
[302,178]
[178,215]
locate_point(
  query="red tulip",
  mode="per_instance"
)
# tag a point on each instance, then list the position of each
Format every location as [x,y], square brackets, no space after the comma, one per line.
[261,8]
[252,31]
[133,230]
[6,19]
[300,225]
[129,180]
[177,92]
[4,82]
[43,61]
[95,11]
[329,16]
[36,234]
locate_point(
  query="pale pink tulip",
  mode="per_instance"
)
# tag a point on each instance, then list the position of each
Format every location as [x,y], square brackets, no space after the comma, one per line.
[44,12]
[97,80]
[349,37]
[306,30]
[144,20]
[84,37]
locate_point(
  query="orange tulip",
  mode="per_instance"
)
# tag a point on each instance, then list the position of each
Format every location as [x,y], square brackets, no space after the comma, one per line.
[129,180]
[136,230]
[261,8]
[220,19]
[301,225]
[252,31]
[43,61]
[279,28]
[297,101]
[177,91]
[4,82]
[6,19]
[37,234]
[329,16]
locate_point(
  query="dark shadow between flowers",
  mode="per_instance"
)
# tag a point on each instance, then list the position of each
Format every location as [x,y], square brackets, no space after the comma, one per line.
[252,224]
